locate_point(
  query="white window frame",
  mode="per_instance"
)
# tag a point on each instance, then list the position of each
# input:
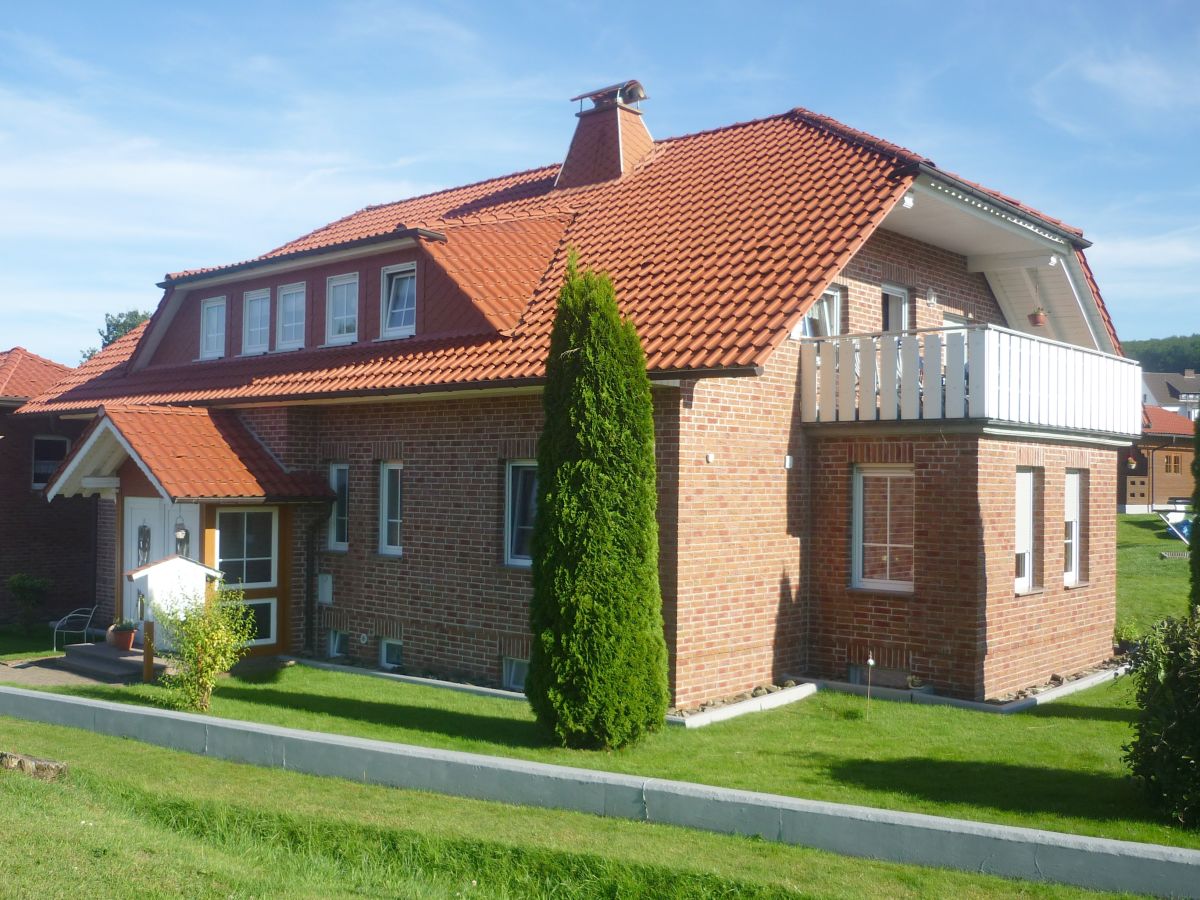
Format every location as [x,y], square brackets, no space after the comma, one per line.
[205,335]
[282,292]
[384,518]
[274,543]
[274,635]
[827,310]
[331,642]
[1072,528]
[510,666]
[1024,531]
[856,573]
[336,281]
[332,542]
[251,299]
[385,278]
[510,512]
[896,296]
[33,460]
[384,644]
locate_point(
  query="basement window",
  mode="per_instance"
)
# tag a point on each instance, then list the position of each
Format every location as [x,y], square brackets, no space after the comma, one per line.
[391,655]
[338,645]
[48,453]
[515,673]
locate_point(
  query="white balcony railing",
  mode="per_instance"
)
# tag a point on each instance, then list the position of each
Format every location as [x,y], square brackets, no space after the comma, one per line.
[976,372]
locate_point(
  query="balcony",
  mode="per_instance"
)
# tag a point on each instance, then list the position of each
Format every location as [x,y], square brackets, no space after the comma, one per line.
[981,373]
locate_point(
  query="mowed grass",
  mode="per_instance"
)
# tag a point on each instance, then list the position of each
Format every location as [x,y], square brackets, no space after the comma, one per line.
[16,644]
[136,820]
[1058,767]
[1149,588]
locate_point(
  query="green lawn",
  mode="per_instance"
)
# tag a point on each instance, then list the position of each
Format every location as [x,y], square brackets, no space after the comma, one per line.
[137,820]
[1148,588]
[1058,767]
[16,644]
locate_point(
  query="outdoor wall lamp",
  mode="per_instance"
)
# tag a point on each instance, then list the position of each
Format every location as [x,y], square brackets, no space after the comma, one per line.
[183,538]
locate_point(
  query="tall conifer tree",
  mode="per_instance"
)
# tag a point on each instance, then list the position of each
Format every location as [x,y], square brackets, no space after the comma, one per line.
[598,667]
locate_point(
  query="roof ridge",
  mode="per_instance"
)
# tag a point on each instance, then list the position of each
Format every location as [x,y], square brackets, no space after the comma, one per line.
[855,135]
[437,193]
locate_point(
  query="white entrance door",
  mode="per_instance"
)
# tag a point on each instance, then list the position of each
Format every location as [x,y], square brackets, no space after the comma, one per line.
[145,540]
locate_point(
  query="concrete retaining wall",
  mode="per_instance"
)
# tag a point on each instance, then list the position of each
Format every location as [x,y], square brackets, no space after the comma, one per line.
[852,830]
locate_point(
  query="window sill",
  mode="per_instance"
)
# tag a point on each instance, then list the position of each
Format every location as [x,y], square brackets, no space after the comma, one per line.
[1075,585]
[390,554]
[394,337]
[339,551]
[288,349]
[1032,592]
[517,564]
[208,358]
[328,344]
[897,591]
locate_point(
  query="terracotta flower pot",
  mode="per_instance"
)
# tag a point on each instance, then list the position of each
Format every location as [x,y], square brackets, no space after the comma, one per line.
[1038,318]
[123,640]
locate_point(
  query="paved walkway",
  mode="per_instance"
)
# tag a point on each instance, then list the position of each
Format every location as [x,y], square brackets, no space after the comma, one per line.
[35,673]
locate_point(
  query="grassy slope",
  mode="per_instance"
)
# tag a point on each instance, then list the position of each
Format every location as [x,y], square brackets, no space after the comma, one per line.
[1058,767]
[134,820]
[1148,588]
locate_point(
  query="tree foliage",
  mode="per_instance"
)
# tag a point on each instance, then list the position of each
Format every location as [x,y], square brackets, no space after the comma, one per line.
[205,639]
[116,325]
[29,594]
[1165,752]
[598,667]
[1169,354]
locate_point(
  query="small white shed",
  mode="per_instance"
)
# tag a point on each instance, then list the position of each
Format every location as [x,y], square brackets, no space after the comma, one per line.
[173,584]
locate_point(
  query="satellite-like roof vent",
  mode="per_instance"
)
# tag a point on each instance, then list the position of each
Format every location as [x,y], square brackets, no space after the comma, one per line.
[610,138]
[626,93]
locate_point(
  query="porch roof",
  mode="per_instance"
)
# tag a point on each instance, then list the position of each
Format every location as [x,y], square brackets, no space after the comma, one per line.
[187,453]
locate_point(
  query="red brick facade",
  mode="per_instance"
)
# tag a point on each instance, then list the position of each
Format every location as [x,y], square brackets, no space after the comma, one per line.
[52,540]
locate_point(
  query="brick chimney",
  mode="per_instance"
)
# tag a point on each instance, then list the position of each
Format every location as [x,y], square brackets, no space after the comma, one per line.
[610,138]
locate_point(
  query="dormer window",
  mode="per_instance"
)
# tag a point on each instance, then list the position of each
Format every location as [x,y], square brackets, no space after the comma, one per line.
[398,313]
[212,328]
[290,315]
[341,309]
[256,322]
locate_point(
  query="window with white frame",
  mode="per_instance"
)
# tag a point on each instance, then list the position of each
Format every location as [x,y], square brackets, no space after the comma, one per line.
[264,613]
[520,511]
[1023,572]
[48,452]
[824,318]
[398,306]
[882,555]
[212,328]
[514,674]
[289,317]
[247,547]
[391,507]
[256,321]
[895,308]
[341,309]
[1073,497]
[391,655]
[338,644]
[339,516]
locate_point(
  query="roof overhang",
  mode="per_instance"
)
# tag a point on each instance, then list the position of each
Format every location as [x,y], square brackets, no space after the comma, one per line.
[1029,262]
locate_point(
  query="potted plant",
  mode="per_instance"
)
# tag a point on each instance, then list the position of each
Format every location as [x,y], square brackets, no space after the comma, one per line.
[122,633]
[1038,317]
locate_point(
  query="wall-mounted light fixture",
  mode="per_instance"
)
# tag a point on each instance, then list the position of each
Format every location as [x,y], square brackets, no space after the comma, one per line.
[183,538]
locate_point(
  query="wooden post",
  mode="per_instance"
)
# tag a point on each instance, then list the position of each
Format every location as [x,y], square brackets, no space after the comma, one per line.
[147,652]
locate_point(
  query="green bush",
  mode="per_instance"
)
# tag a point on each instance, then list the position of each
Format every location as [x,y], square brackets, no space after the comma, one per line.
[598,667]
[204,640]
[1165,752]
[29,595]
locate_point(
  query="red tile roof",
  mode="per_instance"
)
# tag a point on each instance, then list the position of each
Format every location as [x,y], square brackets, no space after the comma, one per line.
[24,374]
[1156,420]
[199,453]
[716,243]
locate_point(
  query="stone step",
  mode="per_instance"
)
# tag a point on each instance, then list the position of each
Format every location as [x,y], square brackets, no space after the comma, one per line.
[108,663]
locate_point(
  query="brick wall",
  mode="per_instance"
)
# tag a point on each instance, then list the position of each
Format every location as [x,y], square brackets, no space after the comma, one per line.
[52,540]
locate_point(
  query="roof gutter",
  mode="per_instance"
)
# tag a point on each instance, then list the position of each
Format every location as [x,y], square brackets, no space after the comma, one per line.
[423,234]
[1071,237]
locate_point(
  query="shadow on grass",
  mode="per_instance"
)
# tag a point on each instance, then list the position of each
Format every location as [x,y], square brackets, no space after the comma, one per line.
[1000,786]
[1155,525]
[493,729]
[1092,713]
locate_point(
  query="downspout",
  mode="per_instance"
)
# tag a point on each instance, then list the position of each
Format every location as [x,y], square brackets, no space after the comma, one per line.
[310,589]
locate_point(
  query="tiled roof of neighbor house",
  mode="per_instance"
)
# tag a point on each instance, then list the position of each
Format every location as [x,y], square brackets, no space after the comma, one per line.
[716,242]
[1156,420]
[24,374]
[206,453]
[1169,385]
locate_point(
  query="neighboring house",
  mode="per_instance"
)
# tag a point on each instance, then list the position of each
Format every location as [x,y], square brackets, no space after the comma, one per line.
[864,447]
[1156,472]
[59,544]
[1177,393]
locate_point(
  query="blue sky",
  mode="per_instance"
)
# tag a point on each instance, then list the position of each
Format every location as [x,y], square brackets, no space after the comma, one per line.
[137,139]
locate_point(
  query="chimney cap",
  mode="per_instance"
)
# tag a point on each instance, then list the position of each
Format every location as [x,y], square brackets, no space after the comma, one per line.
[624,92]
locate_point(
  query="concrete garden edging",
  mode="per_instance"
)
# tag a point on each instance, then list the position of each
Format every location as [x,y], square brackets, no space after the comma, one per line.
[1030,854]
